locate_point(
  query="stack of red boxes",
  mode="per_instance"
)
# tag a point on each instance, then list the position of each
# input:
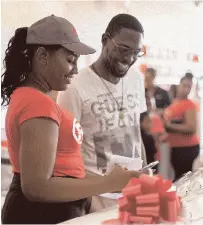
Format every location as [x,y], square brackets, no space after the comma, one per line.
[147,200]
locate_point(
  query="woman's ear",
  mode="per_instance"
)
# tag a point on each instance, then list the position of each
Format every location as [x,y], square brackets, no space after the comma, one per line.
[42,55]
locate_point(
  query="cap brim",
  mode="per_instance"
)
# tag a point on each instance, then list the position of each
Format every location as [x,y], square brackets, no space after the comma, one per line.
[79,48]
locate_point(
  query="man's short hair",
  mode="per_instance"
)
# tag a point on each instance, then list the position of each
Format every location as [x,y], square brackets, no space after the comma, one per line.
[152,71]
[123,21]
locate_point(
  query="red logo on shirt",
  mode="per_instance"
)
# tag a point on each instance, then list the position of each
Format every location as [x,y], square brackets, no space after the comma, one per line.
[77,132]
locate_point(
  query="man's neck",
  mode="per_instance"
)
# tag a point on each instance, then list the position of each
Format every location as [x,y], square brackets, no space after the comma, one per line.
[100,69]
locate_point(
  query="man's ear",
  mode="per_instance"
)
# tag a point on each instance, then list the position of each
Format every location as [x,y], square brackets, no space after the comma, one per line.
[104,38]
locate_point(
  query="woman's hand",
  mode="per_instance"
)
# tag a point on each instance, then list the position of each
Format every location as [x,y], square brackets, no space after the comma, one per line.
[167,125]
[119,177]
[136,174]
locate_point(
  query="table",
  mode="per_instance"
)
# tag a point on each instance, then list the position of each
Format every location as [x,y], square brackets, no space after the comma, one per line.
[194,202]
[111,213]
[94,218]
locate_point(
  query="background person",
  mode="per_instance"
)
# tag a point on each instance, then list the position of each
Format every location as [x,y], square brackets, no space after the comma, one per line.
[160,96]
[181,124]
[147,137]
[173,91]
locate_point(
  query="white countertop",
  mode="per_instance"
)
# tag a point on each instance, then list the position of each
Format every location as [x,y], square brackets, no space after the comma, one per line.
[98,217]
[193,212]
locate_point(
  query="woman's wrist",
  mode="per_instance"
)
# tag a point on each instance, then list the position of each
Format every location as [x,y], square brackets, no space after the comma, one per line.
[135,174]
[111,182]
[169,127]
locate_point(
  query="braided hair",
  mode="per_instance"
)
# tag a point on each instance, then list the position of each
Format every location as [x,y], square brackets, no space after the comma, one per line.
[18,63]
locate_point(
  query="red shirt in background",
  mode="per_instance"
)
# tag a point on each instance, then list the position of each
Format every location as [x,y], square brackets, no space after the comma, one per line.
[157,124]
[176,111]
[27,103]
[158,131]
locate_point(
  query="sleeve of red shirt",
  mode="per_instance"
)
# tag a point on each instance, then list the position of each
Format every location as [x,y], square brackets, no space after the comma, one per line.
[157,125]
[39,106]
[176,109]
[190,105]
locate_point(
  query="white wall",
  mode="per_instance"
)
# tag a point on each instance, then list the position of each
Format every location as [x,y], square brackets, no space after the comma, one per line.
[168,24]
[171,24]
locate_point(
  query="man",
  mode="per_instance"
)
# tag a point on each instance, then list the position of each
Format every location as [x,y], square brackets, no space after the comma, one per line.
[107,98]
[161,97]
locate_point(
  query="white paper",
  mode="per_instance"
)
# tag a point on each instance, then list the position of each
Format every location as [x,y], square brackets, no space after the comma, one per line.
[129,163]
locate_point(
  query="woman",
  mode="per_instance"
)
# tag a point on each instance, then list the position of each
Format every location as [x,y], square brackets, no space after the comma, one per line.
[49,184]
[181,123]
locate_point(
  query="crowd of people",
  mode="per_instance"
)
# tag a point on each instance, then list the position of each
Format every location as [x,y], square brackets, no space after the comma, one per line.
[171,117]
[59,151]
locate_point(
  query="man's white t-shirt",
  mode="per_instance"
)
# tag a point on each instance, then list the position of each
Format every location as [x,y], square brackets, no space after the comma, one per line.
[94,106]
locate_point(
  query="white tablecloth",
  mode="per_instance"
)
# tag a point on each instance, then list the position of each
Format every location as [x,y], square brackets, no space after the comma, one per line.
[193,211]
[95,218]
[112,213]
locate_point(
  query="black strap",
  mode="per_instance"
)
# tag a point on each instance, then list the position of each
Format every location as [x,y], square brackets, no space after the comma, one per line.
[5,161]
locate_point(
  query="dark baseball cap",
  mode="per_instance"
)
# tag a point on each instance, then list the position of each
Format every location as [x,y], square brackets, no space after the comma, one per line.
[53,30]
